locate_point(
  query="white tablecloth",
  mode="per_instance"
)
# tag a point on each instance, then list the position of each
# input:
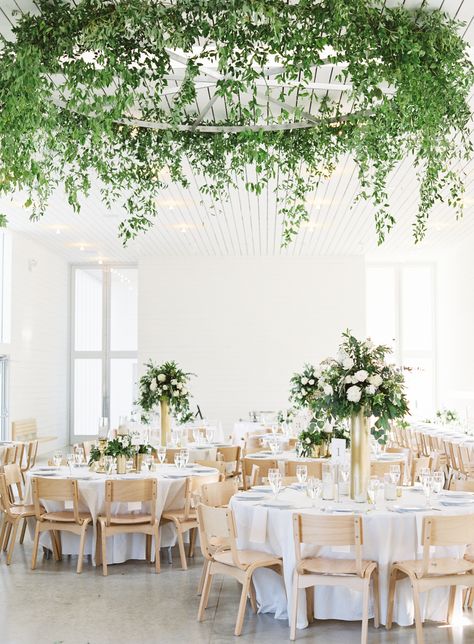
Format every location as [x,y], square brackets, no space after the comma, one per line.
[244,427]
[122,547]
[388,536]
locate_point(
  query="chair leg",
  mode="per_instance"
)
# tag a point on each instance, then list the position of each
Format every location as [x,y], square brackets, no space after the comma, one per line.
[7,537]
[242,605]
[365,612]
[203,576]
[34,556]
[148,547]
[253,596]
[182,552]
[12,542]
[375,578]
[81,548]
[2,532]
[310,604]
[451,604]
[157,549]
[23,531]
[54,545]
[192,542]
[391,598]
[205,593]
[418,621]
[470,599]
[294,607]
[104,550]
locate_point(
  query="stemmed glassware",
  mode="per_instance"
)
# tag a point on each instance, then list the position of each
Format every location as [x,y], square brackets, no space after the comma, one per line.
[185,456]
[79,455]
[161,451]
[109,464]
[301,474]
[344,471]
[70,461]
[209,434]
[438,482]
[314,488]
[374,485]
[275,479]
[427,484]
[178,460]
[148,462]
[395,473]
[57,459]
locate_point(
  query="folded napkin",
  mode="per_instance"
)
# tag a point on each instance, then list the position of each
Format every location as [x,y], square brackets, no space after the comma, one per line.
[258,528]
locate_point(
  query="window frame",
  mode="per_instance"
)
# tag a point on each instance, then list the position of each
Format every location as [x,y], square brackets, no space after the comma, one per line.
[105,354]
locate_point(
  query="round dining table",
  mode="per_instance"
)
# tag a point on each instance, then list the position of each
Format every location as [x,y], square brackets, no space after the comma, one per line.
[91,488]
[391,532]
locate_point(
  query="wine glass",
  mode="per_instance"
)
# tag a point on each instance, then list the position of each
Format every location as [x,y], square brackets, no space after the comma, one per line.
[276,483]
[79,455]
[57,459]
[148,461]
[109,464]
[197,435]
[427,484]
[209,434]
[70,461]
[301,474]
[395,473]
[438,482]
[161,451]
[273,472]
[185,456]
[374,484]
[344,471]
[178,460]
[314,489]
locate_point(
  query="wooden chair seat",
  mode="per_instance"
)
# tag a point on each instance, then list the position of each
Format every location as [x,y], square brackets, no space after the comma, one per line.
[21,510]
[121,519]
[436,567]
[180,516]
[247,558]
[66,516]
[329,566]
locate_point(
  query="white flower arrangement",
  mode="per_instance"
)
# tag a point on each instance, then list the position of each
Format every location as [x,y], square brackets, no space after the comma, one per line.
[164,382]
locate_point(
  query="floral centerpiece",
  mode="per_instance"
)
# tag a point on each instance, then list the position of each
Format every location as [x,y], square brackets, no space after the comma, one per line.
[360,384]
[312,440]
[304,387]
[447,416]
[120,448]
[165,385]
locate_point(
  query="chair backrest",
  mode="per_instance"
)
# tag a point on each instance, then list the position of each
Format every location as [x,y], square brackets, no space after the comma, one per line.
[10,455]
[5,499]
[229,454]
[419,463]
[253,443]
[87,447]
[446,531]
[264,464]
[14,479]
[133,490]
[170,452]
[217,465]
[24,430]
[314,468]
[379,468]
[217,525]
[46,489]
[460,485]
[31,450]
[329,531]
[219,494]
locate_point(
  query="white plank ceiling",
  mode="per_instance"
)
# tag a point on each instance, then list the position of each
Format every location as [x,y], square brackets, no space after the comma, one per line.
[246,224]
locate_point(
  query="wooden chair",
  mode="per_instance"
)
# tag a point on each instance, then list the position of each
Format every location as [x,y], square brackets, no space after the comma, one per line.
[226,559]
[419,463]
[185,519]
[327,571]
[379,468]
[315,468]
[217,465]
[263,464]
[253,443]
[12,454]
[14,481]
[426,573]
[27,430]
[218,494]
[12,515]
[31,452]
[462,485]
[230,454]
[170,453]
[145,522]
[59,490]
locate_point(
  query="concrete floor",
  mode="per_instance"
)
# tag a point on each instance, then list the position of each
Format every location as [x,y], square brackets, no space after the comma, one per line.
[53,605]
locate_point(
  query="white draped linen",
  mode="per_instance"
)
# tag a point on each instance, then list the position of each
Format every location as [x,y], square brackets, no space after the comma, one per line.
[91,486]
[389,536]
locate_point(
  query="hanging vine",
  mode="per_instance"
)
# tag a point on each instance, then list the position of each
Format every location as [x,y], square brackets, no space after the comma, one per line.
[84,93]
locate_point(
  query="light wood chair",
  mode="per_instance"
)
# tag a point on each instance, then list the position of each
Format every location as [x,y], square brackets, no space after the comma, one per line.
[231,454]
[253,443]
[419,463]
[185,519]
[218,525]
[144,522]
[27,430]
[426,573]
[315,468]
[12,516]
[14,481]
[59,490]
[220,466]
[263,464]
[170,453]
[379,468]
[218,494]
[13,454]
[462,485]
[326,571]
[31,452]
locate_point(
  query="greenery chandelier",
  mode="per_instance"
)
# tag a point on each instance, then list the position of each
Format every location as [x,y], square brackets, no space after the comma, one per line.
[108,90]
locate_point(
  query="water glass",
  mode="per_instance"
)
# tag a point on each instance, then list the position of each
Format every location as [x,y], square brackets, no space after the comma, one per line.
[109,464]
[301,474]
[197,435]
[148,462]
[209,434]
[427,483]
[79,455]
[374,485]
[276,483]
[161,451]
[185,456]
[344,472]
[390,487]
[395,473]
[178,460]
[57,459]
[273,473]
[438,482]
[314,489]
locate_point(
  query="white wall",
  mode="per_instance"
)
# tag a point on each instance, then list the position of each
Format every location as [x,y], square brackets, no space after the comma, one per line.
[455,278]
[38,350]
[244,325]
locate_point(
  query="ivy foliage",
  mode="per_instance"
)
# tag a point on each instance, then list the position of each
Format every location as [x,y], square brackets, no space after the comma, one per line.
[77,73]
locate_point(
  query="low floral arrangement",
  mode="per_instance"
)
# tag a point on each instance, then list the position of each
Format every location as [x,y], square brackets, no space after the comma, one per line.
[119,446]
[311,437]
[164,382]
[360,379]
[304,389]
[285,416]
[447,416]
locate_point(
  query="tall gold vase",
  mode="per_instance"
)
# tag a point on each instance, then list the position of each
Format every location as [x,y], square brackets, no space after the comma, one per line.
[360,456]
[165,421]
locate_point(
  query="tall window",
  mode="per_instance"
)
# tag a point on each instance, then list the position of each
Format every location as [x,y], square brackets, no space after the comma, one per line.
[3,397]
[104,345]
[401,313]
[5,286]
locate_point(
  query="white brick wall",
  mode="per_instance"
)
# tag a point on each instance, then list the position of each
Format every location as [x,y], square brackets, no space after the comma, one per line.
[244,325]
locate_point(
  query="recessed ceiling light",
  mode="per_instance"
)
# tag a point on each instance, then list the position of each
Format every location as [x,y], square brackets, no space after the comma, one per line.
[100,261]
[81,248]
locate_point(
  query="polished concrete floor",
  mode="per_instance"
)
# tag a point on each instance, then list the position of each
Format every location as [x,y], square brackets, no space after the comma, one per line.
[54,605]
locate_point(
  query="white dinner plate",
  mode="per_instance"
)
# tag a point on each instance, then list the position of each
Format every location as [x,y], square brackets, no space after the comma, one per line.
[410,508]
[447,501]
[261,488]
[45,468]
[249,497]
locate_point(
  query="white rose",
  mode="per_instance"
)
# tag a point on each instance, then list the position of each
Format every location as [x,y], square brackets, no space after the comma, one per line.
[376,380]
[304,381]
[308,440]
[348,363]
[174,382]
[153,385]
[318,371]
[328,390]
[361,375]
[184,391]
[353,394]
[327,429]
[311,382]
[348,380]
[161,377]
[303,391]
[179,385]
[370,390]
[165,387]
[341,355]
